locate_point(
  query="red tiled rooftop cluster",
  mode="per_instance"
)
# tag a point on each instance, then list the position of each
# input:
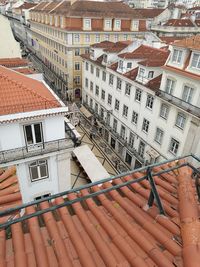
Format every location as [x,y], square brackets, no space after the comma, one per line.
[13,62]
[113,229]
[19,93]
[179,23]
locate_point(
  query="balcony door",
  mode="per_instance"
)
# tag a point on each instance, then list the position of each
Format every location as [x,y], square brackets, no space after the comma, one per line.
[33,135]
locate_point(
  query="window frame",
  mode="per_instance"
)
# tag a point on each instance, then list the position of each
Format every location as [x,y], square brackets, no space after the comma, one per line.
[145,125]
[174,148]
[180,120]
[159,132]
[37,165]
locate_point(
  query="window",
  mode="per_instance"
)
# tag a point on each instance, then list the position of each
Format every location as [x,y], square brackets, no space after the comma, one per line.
[107,37]
[38,170]
[109,99]
[86,66]
[195,61]
[149,103]
[135,117]
[128,89]
[77,52]
[77,80]
[125,111]
[119,84]
[116,104]
[117,24]
[102,113]
[97,91]
[111,78]
[116,38]
[77,66]
[141,149]
[135,24]
[187,93]
[86,82]
[164,111]
[174,145]
[123,132]
[138,94]
[169,88]
[108,24]
[145,126]
[92,69]
[176,58]
[87,38]
[131,140]
[120,66]
[180,120]
[141,73]
[76,38]
[104,76]
[159,136]
[108,118]
[103,95]
[150,74]
[91,102]
[91,86]
[87,24]
[129,65]
[97,38]
[97,72]
[115,125]
[86,99]
[33,133]
[96,108]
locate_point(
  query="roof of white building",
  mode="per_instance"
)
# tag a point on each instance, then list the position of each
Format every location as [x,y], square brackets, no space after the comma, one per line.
[19,93]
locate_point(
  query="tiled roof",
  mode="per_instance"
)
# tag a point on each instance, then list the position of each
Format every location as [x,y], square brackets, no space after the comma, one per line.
[26,5]
[95,9]
[13,62]
[157,61]
[179,23]
[170,39]
[19,93]
[194,8]
[154,84]
[132,74]
[25,71]
[190,42]
[111,46]
[40,6]
[149,12]
[10,195]
[116,228]
[144,52]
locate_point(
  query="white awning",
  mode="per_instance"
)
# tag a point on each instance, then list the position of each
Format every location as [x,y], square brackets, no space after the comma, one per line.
[85,112]
[152,153]
[91,165]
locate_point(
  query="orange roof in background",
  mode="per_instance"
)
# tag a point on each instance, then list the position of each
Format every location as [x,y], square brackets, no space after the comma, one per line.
[25,71]
[179,23]
[170,39]
[116,228]
[149,12]
[192,42]
[19,93]
[13,62]
[10,195]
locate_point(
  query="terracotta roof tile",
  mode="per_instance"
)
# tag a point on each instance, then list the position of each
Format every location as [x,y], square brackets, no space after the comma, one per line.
[116,228]
[190,42]
[27,5]
[19,93]
[13,62]
[149,12]
[154,84]
[170,39]
[179,23]
[10,195]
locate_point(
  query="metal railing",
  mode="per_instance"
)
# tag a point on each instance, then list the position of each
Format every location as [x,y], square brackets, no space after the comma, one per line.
[149,175]
[35,150]
[179,102]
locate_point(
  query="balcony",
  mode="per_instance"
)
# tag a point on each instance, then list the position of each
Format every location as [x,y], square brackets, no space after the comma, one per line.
[35,150]
[179,103]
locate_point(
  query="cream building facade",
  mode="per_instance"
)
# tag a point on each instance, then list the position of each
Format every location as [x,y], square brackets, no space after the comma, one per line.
[62,31]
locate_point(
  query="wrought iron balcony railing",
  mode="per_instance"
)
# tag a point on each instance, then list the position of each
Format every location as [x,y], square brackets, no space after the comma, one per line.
[179,102]
[35,150]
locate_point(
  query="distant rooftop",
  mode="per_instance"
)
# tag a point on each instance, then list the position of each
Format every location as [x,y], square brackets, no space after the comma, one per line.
[190,42]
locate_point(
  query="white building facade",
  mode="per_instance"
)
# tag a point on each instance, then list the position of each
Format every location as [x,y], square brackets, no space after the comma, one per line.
[33,138]
[129,98]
